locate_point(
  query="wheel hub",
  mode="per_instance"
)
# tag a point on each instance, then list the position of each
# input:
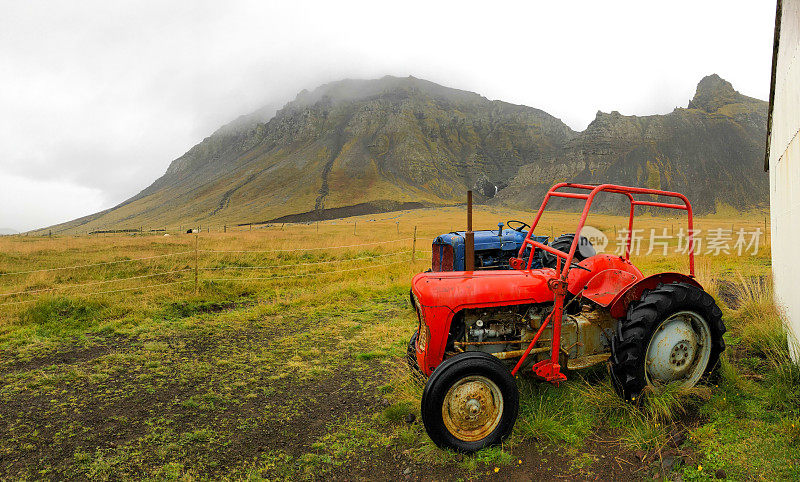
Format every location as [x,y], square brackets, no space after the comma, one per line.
[678,348]
[472,408]
[681,353]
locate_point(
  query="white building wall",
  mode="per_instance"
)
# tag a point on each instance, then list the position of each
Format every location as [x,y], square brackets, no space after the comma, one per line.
[784,171]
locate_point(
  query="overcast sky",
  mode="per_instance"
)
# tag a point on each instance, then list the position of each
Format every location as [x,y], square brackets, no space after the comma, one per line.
[98,97]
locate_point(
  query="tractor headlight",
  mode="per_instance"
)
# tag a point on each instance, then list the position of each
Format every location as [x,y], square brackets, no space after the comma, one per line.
[423,333]
[424,336]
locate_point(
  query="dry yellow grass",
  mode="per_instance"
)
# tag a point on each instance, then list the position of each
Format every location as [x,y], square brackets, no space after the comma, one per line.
[285,251]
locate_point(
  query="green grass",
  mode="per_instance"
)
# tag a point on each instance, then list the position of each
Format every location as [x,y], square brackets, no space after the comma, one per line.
[305,377]
[63,317]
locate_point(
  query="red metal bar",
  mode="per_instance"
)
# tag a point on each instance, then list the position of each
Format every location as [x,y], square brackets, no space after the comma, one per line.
[547,248]
[527,239]
[558,314]
[659,205]
[629,237]
[612,188]
[570,195]
[691,239]
[530,345]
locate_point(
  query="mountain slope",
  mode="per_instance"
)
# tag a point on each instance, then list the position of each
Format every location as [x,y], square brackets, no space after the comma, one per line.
[708,151]
[384,141]
[359,146]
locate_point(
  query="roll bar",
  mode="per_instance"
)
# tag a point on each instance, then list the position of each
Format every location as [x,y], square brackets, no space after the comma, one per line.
[589,198]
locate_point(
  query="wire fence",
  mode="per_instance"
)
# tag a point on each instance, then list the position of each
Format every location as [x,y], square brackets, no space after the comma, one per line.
[232,227]
[102,263]
[193,257]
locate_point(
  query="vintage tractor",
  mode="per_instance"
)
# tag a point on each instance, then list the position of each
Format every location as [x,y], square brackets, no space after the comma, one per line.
[478,329]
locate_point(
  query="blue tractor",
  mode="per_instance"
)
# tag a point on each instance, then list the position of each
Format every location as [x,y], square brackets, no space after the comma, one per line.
[493,248]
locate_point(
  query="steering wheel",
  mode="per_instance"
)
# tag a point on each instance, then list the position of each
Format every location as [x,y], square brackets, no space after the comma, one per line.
[521,225]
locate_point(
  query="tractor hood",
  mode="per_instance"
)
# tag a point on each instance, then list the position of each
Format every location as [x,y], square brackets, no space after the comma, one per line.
[456,290]
[463,289]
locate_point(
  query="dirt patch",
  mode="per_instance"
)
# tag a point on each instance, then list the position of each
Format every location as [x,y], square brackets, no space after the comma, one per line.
[360,209]
[602,457]
[213,421]
[598,460]
[67,354]
[318,405]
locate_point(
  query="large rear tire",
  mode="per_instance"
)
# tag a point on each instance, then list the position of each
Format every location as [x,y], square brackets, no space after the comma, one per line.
[672,334]
[470,402]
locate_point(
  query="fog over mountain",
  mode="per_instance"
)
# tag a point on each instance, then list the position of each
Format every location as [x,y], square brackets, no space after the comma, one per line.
[99,97]
[361,146]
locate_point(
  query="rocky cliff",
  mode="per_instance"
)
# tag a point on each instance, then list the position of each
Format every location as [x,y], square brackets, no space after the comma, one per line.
[709,151]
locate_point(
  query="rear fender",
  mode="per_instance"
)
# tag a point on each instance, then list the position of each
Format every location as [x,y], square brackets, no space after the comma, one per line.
[619,305]
[579,279]
[605,286]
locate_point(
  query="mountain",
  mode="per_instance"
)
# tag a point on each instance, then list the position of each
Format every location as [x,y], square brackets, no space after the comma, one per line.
[709,151]
[362,146]
[8,231]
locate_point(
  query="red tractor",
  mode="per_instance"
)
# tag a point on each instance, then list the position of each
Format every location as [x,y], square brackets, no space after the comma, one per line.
[478,329]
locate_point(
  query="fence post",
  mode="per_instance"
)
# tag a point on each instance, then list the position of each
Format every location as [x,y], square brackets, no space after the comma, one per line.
[355,223]
[196,237]
[317,227]
[414,246]
[398,227]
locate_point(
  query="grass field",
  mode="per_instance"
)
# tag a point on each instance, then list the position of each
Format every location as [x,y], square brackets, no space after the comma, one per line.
[286,362]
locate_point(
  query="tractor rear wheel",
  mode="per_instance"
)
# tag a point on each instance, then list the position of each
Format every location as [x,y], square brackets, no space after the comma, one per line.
[470,402]
[673,334]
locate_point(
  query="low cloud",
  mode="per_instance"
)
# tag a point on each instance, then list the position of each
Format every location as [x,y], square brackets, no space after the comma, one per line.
[99,97]
[29,203]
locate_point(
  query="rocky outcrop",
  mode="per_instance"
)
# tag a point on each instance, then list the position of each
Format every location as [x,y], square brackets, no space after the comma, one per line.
[709,151]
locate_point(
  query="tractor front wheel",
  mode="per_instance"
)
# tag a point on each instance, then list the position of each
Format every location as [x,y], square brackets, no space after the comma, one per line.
[470,402]
[673,334]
